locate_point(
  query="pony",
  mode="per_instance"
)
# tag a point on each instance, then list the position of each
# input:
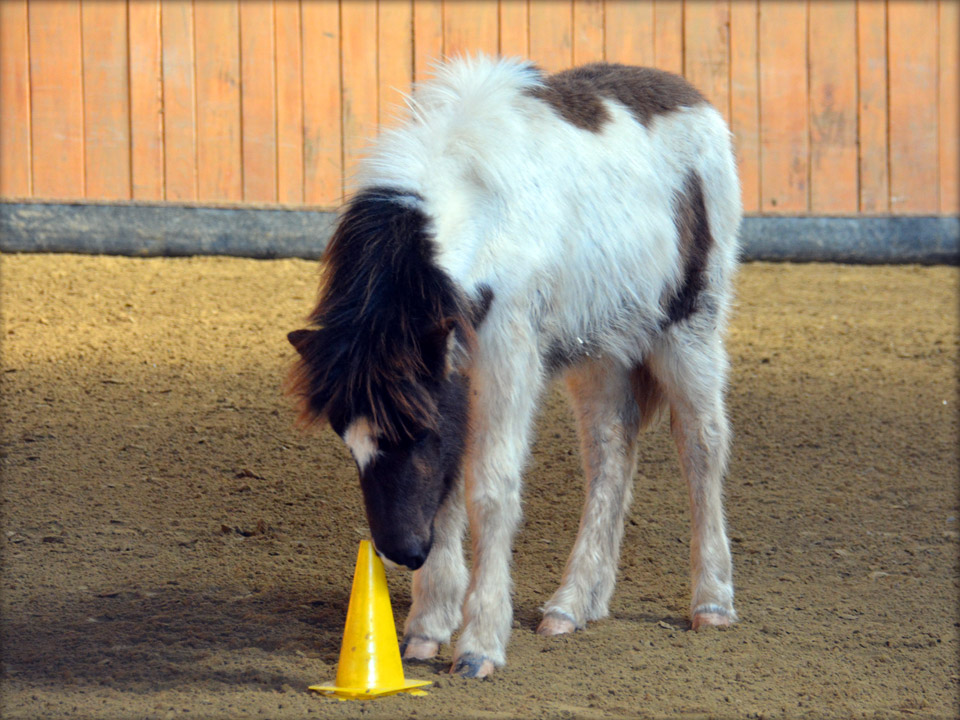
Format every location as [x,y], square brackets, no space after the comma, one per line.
[515,227]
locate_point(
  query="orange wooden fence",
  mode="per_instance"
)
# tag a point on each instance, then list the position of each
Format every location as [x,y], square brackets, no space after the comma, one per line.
[837,106]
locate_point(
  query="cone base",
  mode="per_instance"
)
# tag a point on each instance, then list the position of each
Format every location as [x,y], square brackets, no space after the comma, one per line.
[360,693]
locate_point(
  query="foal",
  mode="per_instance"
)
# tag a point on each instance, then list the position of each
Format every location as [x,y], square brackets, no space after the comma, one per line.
[518,226]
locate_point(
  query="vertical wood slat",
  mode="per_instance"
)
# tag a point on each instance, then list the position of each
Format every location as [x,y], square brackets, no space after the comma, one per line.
[587,31]
[783,119]
[668,35]
[394,57]
[949,106]
[219,153]
[15,168]
[56,89]
[288,65]
[872,106]
[551,34]
[470,26]
[258,101]
[628,31]
[146,100]
[323,118]
[179,101]
[106,100]
[914,136]
[427,37]
[706,47]
[833,106]
[745,99]
[360,109]
[514,23]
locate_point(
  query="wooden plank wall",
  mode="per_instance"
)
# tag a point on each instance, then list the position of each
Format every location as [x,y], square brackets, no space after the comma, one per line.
[837,106]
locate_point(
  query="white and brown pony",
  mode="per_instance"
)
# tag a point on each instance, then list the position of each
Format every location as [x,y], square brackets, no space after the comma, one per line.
[518,226]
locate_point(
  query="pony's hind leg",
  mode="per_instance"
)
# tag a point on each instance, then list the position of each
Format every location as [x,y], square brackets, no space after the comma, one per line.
[438,586]
[692,369]
[609,420]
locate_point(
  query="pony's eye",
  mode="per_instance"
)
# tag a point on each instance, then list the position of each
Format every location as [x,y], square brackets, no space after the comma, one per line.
[421,438]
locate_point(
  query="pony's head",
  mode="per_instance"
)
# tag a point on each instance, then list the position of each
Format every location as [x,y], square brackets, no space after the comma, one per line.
[385,363]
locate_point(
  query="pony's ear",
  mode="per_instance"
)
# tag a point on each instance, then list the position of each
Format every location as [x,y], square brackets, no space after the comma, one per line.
[307,380]
[439,348]
[300,338]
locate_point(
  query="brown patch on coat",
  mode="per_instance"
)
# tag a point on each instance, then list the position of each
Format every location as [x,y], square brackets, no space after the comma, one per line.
[695,242]
[577,94]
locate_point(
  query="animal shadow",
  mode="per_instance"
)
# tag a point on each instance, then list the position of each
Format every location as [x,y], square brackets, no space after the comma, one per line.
[141,641]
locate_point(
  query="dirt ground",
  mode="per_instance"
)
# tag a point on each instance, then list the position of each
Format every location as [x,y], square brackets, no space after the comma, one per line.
[173,548]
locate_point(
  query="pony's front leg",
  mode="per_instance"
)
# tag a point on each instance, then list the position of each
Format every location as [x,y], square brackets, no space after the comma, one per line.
[438,586]
[503,407]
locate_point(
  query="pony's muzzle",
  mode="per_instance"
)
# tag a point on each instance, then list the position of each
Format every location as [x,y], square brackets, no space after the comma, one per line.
[412,558]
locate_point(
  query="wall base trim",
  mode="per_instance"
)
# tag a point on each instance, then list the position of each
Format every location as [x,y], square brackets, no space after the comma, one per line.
[177,230]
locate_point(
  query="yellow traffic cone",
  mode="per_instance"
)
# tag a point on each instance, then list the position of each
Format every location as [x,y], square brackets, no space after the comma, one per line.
[370,664]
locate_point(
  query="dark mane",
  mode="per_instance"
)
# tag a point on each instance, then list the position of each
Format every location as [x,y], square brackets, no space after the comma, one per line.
[383,316]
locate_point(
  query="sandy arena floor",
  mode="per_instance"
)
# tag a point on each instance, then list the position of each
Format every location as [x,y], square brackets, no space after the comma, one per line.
[173,548]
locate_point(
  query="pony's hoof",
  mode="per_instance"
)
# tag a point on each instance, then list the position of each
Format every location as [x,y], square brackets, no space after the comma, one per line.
[712,616]
[417,647]
[555,623]
[472,666]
